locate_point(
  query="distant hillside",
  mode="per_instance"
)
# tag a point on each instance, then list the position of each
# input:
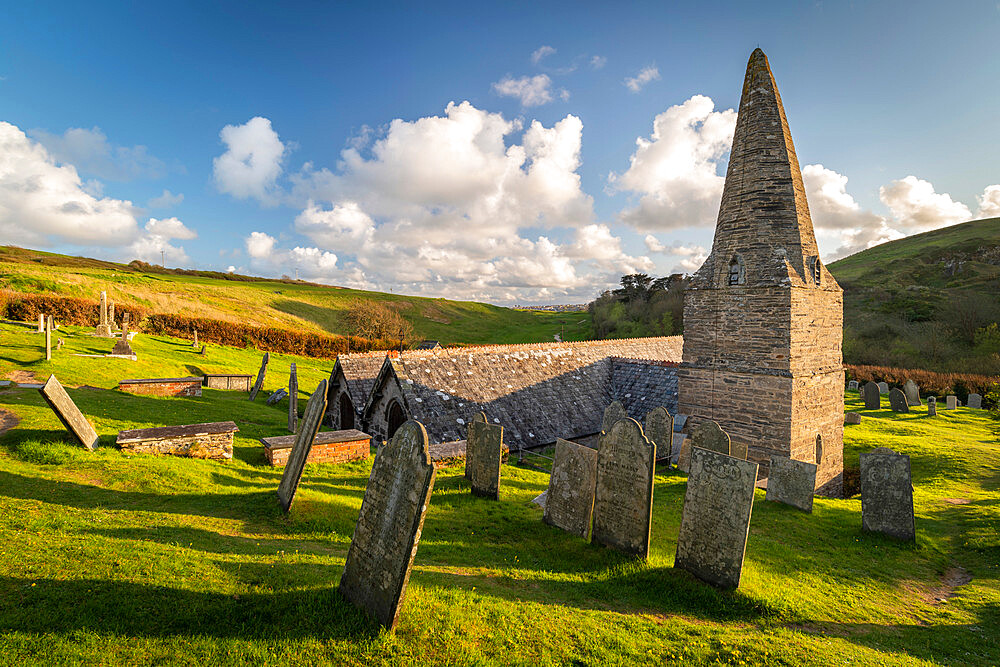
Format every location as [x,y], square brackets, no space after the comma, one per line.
[930,301]
[286,304]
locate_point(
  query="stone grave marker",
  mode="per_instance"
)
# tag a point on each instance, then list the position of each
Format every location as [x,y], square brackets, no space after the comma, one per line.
[912,392]
[122,348]
[303,444]
[293,399]
[59,343]
[883,387]
[932,406]
[707,435]
[195,343]
[261,374]
[623,493]
[276,397]
[872,396]
[483,454]
[897,401]
[975,401]
[887,494]
[659,430]
[41,323]
[853,418]
[612,414]
[111,314]
[202,353]
[791,482]
[387,533]
[951,402]
[853,385]
[104,328]
[68,413]
[569,500]
[715,519]
[48,340]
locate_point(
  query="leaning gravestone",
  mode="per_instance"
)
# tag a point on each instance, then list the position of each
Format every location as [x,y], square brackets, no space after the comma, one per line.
[715,519]
[612,415]
[883,388]
[975,401]
[276,397]
[303,444]
[483,453]
[872,396]
[569,501]
[932,406]
[293,399]
[853,418]
[951,402]
[261,374]
[659,429]
[912,392]
[623,494]
[887,494]
[68,413]
[387,533]
[852,385]
[791,482]
[897,401]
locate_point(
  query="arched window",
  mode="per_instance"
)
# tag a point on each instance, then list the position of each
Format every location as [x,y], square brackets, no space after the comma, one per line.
[819,449]
[394,418]
[737,271]
[816,269]
[346,412]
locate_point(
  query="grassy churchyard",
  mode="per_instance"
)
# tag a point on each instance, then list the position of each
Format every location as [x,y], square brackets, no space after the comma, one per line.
[108,558]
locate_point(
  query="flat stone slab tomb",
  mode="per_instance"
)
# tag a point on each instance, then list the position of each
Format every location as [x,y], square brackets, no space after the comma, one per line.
[213,440]
[328,447]
[189,386]
[232,382]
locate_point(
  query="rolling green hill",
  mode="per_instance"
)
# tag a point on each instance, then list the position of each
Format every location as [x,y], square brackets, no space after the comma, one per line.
[287,304]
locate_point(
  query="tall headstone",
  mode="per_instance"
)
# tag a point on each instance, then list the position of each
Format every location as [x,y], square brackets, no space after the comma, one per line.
[612,415]
[883,388]
[715,520]
[623,496]
[852,385]
[659,429]
[897,401]
[872,395]
[48,339]
[195,342]
[104,328]
[483,454]
[68,413]
[569,500]
[932,406]
[41,323]
[111,315]
[293,399]
[122,347]
[261,374]
[387,533]
[912,392]
[951,402]
[975,401]
[887,494]
[791,482]
[311,422]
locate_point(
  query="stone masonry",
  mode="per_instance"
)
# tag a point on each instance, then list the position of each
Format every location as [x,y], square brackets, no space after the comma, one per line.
[763,317]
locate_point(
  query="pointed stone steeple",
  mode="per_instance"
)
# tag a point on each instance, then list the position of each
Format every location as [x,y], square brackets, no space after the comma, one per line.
[764,217]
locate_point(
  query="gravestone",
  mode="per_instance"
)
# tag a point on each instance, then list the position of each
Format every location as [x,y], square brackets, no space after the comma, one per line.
[195,343]
[41,323]
[852,385]
[104,328]
[623,493]
[853,418]
[387,533]
[202,353]
[59,343]
[975,401]
[277,396]
[709,435]
[293,399]
[483,454]
[68,413]
[612,415]
[715,519]
[48,340]
[303,444]
[261,374]
[111,314]
[791,482]
[872,396]
[659,429]
[883,388]
[897,401]
[569,500]
[122,347]
[951,402]
[932,406]
[887,494]
[912,392]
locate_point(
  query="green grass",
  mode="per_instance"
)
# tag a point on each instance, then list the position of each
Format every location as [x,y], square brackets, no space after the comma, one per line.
[109,558]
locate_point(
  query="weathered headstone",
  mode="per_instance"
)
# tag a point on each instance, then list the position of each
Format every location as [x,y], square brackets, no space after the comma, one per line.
[623,494]
[387,533]
[569,500]
[684,457]
[853,418]
[709,435]
[41,323]
[612,415]
[276,397]
[883,387]
[852,385]
[715,519]
[303,443]
[951,402]
[195,343]
[104,328]
[122,347]
[897,401]
[932,406]
[48,340]
[872,396]
[659,430]
[68,413]
[975,401]
[202,353]
[483,454]
[111,314]
[887,494]
[912,392]
[59,343]
[261,374]
[293,399]
[791,482]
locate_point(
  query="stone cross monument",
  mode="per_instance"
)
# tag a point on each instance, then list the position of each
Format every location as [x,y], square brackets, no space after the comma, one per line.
[104,328]
[763,317]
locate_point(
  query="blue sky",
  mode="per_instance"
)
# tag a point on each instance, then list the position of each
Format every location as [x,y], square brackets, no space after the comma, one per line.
[319,137]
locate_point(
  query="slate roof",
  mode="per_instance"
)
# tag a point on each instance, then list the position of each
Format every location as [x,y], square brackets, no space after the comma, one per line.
[428,345]
[642,385]
[360,370]
[538,392]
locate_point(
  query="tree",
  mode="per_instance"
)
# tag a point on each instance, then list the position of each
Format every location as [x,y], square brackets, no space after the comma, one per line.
[375,320]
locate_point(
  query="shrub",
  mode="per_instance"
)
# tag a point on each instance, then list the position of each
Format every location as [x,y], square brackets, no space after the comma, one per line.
[930,383]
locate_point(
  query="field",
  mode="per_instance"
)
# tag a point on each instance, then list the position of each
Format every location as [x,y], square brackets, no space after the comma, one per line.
[107,558]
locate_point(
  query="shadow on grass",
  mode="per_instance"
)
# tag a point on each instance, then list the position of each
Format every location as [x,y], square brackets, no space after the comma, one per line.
[210,541]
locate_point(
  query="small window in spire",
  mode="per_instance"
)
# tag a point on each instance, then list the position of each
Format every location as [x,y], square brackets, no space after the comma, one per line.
[817,269]
[737,272]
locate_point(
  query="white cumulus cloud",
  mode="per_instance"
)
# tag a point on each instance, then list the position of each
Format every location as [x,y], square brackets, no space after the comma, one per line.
[252,162]
[541,52]
[917,207]
[532,91]
[156,239]
[645,75]
[92,154]
[989,202]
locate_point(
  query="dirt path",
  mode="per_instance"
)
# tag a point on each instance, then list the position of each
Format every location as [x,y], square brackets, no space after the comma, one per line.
[8,420]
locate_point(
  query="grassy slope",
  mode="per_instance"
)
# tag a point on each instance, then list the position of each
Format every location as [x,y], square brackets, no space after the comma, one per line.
[109,558]
[284,304]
